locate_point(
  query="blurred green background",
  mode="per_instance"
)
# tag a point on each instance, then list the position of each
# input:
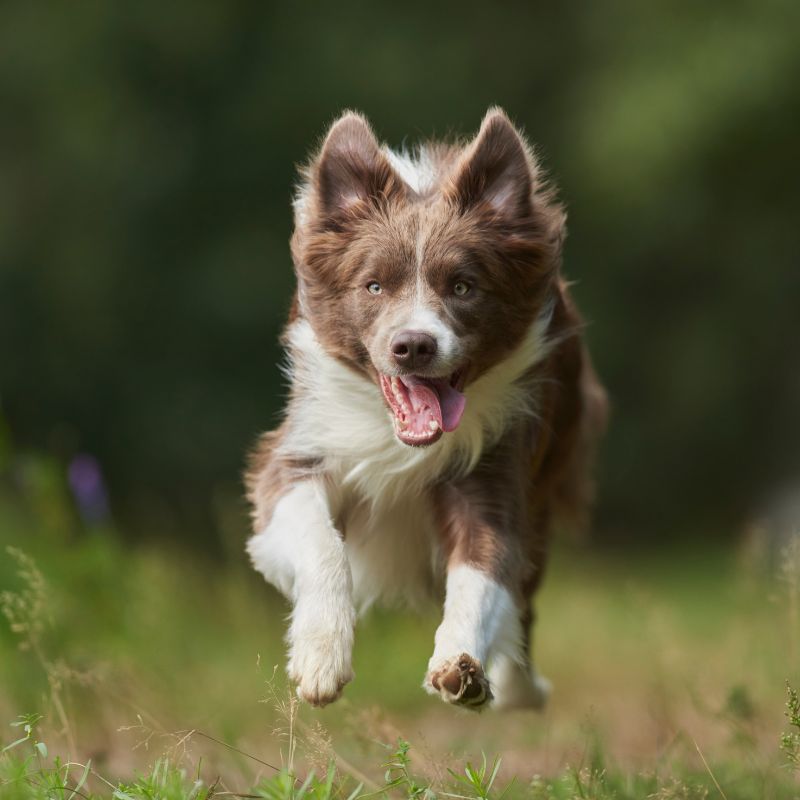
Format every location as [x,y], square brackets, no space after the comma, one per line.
[147,157]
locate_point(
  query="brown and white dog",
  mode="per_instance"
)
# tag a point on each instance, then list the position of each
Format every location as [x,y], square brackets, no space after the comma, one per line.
[442,408]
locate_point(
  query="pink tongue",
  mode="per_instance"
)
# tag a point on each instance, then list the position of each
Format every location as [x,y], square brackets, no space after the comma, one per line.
[446,403]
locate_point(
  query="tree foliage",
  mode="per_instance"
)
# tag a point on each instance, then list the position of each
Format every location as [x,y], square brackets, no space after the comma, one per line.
[148,152]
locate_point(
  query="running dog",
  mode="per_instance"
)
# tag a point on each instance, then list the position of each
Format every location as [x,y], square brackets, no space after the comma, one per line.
[443,409]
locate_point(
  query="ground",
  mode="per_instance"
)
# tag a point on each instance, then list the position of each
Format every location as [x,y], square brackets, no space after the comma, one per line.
[668,667]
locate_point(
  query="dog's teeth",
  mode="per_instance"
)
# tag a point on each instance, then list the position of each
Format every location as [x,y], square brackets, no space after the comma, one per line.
[401,424]
[433,425]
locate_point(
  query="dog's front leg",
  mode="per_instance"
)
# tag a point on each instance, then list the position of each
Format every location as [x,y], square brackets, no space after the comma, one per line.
[301,552]
[477,522]
[480,616]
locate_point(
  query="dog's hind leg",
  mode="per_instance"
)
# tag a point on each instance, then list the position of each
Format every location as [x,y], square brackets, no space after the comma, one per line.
[515,681]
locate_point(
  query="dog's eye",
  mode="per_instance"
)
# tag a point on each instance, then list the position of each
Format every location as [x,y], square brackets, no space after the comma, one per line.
[373,287]
[461,288]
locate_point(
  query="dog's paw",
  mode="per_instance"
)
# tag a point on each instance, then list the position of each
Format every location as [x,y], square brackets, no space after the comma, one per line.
[460,681]
[320,666]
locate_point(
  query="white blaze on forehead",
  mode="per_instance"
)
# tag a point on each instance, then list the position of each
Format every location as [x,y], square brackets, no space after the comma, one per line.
[420,313]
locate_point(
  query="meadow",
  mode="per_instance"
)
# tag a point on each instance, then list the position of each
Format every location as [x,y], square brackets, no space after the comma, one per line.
[162,670]
[148,155]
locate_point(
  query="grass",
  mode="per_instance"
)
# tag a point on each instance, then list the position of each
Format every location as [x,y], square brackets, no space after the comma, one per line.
[27,773]
[160,675]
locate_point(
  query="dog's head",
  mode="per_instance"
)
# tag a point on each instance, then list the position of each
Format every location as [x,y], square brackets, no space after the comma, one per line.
[423,272]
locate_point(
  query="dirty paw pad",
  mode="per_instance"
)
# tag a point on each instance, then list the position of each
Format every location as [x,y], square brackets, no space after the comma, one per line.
[461,681]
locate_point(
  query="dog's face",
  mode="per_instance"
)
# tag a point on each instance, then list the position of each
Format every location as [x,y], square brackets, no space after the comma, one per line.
[424,285]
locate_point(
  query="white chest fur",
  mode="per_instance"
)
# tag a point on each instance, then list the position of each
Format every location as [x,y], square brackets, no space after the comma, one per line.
[379,488]
[339,418]
[393,552]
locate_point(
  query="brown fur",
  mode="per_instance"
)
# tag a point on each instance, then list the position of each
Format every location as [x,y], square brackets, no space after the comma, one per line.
[500,516]
[516,254]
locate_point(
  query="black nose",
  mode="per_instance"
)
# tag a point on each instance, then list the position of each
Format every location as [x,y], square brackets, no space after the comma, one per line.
[412,349]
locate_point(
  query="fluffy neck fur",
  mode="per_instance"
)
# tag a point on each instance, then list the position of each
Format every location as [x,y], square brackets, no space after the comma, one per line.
[338,417]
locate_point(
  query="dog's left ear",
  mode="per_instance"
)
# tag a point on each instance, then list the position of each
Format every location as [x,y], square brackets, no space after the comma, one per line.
[496,172]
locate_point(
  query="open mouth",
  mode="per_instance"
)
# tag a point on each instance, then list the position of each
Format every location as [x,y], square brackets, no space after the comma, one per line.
[424,408]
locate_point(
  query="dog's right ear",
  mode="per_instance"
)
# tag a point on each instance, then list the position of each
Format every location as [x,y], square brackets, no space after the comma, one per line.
[351,173]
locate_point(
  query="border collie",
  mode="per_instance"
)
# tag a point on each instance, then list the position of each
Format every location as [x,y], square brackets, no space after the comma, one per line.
[442,408]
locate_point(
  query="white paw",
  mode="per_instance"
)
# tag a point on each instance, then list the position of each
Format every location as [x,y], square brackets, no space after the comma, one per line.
[320,660]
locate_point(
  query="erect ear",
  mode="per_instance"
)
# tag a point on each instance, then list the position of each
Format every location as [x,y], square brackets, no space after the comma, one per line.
[351,171]
[496,171]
